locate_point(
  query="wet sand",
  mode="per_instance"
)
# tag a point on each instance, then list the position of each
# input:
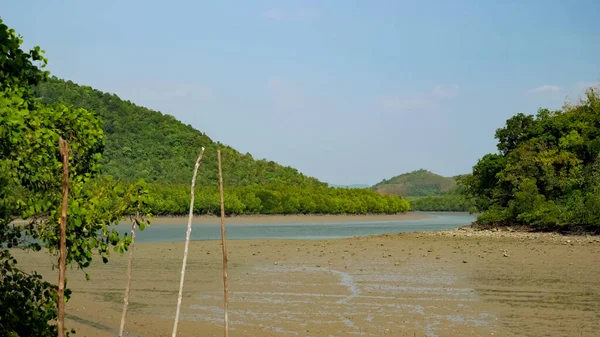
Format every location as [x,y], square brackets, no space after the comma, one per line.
[451,283]
[286,219]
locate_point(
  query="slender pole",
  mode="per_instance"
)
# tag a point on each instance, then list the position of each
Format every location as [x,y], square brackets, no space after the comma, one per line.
[223,244]
[129,270]
[62,257]
[187,243]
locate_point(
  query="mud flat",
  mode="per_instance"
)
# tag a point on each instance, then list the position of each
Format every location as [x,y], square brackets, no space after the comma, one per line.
[450,283]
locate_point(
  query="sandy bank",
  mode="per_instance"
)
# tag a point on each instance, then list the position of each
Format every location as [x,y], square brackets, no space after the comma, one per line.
[281,219]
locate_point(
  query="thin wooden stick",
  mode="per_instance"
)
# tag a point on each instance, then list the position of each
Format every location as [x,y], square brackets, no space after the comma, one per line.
[224,245]
[187,243]
[62,257]
[129,270]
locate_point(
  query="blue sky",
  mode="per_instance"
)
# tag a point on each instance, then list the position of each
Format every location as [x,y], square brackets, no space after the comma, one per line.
[346,91]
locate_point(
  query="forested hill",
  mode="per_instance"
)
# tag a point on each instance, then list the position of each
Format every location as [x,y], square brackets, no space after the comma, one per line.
[418,183]
[142,143]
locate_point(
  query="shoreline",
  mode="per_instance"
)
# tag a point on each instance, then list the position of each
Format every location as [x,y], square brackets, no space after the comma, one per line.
[464,279]
[283,219]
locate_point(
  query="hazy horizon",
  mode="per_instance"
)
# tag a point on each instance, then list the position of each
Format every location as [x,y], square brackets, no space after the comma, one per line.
[347,92]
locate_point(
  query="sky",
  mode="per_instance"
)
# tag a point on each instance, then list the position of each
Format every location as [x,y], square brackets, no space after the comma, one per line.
[346,91]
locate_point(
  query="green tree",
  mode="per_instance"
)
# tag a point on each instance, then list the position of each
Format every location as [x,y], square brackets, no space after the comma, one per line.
[545,173]
[19,68]
[30,188]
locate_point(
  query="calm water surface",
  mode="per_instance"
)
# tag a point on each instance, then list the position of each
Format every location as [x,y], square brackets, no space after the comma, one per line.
[327,230]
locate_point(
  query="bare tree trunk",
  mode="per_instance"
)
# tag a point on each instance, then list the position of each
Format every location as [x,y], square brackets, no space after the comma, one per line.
[62,257]
[129,268]
[187,243]
[223,244]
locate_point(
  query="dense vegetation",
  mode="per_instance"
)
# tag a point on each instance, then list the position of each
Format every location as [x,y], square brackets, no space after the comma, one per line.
[546,173]
[440,203]
[276,199]
[426,191]
[141,143]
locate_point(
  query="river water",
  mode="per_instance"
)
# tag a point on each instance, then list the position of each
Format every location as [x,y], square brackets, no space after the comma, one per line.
[328,230]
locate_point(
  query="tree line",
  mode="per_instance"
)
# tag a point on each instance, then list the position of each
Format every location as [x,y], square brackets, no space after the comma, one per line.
[273,199]
[440,203]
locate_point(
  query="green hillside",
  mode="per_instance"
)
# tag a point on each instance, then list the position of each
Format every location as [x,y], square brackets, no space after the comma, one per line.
[142,143]
[418,183]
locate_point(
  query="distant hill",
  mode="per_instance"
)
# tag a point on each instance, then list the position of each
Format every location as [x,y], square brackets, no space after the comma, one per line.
[418,183]
[350,186]
[142,143]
